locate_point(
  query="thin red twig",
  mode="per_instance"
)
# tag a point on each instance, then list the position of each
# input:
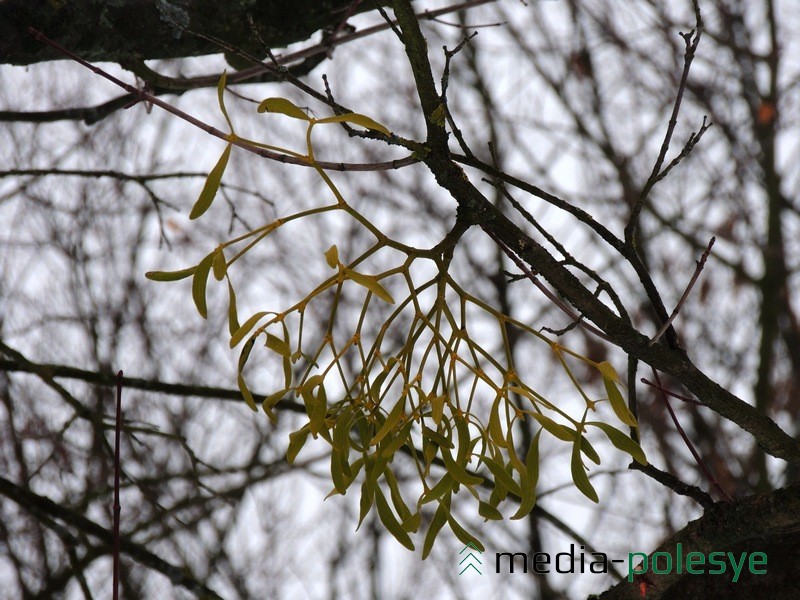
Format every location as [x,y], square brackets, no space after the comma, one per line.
[714,484]
[680,397]
[117,508]
[698,269]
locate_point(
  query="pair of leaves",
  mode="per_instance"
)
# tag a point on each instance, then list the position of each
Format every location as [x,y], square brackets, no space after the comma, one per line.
[199,274]
[288,108]
[368,281]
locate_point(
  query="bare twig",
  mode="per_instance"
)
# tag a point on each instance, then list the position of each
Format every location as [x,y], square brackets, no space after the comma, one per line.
[448,56]
[694,138]
[550,295]
[581,215]
[706,471]
[117,508]
[669,392]
[691,40]
[100,173]
[698,269]
[389,23]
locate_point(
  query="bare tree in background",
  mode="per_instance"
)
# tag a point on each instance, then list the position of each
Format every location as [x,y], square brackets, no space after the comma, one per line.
[557,113]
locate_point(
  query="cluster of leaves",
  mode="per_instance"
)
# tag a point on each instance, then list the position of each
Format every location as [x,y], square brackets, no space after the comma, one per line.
[437,395]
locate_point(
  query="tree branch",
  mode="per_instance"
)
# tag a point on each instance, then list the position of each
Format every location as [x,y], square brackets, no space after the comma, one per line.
[768,523]
[150,385]
[475,209]
[44,509]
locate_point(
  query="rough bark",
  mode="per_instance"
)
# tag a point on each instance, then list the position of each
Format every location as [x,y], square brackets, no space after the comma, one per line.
[124,30]
[768,523]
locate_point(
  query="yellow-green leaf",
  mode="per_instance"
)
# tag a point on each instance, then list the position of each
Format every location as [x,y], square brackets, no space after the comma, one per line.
[607,370]
[287,371]
[332,256]
[390,521]
[339,469]
[312,382]
[463,535]
[355,468]
[402,437]
[501,475]
[233,317]
[397,498]
[532,460]
[412,523]
[369,282]
[618,404]
[445,485]
[438,521]
[513,460]
[529,479]
[367,499]
[357,119]
[375,387]
[341,430]
[391,421]
[320,408]
[622,441]
[589,451]
[499,494]
[495,428]
[218,264]
[528,500]
[489,512]
[270,401]
[212,185]
[457,471]
[555,429]
[464,442]
[170,275]
[440,439]
[248,397]
[284,107]
[579,476]
[437,408]
[199,284]
[220,97]
[278,345]
[296,442]
[242,331]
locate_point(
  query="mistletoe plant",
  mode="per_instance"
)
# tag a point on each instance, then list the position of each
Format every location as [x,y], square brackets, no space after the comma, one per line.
[439,397]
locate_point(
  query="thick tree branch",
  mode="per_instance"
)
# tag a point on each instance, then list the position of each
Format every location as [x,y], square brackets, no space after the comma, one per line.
[151,29]
[769,523]
[476,209]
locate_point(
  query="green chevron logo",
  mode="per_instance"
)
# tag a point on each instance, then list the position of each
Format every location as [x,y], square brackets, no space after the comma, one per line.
[468,561]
